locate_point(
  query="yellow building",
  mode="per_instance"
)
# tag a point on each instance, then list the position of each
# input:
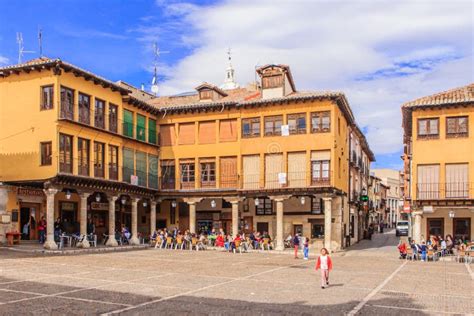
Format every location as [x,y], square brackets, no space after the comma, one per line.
[262,158]
[439,159]
[70,143]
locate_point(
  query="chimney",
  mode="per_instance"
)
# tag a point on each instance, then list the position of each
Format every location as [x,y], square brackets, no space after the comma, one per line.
[277,81]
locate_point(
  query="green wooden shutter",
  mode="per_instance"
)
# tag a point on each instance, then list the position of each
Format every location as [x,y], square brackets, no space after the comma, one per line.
[141,132]
[141,168]
[153,171]
[151,131]
[127,123]
[128,165]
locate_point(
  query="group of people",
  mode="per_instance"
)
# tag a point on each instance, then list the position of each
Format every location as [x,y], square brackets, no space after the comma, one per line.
[437,244]
[297,241]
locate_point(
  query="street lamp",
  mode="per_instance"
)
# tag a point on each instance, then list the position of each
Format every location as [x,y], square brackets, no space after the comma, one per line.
[145,203]
[302,200]
[451,214]
[97,197]
[173,204]
[68,195]
[213,204]
[123,200]
[256,201]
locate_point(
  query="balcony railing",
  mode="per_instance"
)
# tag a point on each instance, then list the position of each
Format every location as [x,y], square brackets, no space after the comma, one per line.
[113,171]
[439,191]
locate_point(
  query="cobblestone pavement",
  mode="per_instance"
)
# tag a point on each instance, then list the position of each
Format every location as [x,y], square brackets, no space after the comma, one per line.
[369,279]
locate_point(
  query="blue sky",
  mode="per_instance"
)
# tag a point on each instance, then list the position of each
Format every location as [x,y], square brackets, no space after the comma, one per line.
[380,53]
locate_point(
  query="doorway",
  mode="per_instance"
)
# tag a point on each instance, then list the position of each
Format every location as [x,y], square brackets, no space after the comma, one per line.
[435,227]
[262,227]
[29,215]
[298,229]
[462,228]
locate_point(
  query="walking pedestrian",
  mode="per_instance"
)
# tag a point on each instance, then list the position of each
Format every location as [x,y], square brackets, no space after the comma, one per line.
[306,248]
[296,243]
[42,230]
[324,264]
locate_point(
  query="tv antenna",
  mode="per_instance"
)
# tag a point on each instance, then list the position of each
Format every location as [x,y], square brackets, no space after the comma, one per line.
[154,82]
[21,48]
[40,41]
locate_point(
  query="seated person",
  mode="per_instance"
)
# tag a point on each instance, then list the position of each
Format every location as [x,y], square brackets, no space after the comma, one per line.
[219,241]
[402,248]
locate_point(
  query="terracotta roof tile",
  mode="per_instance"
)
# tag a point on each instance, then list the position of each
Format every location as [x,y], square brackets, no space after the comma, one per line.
[453,96]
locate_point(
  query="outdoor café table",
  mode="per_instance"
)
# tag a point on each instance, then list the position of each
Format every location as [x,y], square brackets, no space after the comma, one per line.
[65,239]
[13,237]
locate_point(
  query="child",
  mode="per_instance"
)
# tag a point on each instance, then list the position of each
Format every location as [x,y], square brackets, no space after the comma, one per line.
[325,264]
[306,248]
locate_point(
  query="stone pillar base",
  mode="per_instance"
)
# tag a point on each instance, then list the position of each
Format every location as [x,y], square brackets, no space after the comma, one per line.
[84,244]
[134,240]
[50,245]
[111,242]
[279,247]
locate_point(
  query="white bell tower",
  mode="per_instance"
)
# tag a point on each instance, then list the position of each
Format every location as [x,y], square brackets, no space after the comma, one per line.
[229,81]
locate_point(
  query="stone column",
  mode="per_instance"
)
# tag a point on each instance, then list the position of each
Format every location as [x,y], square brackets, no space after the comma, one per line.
[391,213]
[50,244]
[327,222]
[134,240]
[235,217]
[152,216]
[279,224]
[83,220]
[112,242]
[192,217]
[417,226]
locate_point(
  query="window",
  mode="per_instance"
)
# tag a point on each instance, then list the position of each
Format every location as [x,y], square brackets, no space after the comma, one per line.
[319,172]
[46,153]
[264,207]
[152,171]
[435,226]
[228,172]
[297,123]
[251,127]
[462,228]
[84,108]
[141,131]
[205,94]
[99,154]
[273,125]
[167,174]
[428,128]
[428,182]
[208,173]
[128,165]
[67,103]
[275,81]
[251,167]
[167,135]
[457,183]
[317,228]
[321,122]
[228,130]
[187,174]
[47,97]
[207,132]
[141,168]
[317,206]
[457,126]
[151,131]
[113,162]
[83,150]
[127,123]
[99,113]
[113,118]
[65,153]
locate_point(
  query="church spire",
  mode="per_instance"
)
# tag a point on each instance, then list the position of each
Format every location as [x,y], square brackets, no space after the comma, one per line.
[229,81]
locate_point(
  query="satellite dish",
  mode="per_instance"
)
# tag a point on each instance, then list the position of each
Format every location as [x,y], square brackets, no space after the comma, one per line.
[154,89]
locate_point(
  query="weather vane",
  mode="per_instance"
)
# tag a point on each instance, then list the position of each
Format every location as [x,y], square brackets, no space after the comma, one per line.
[154,82]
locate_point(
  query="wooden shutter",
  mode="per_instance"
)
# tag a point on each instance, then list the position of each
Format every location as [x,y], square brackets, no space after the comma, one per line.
[228,130]
[273,166]
[297,169]
[151,131]
[186,134]
[228,172]
[428,181]
[141,131]
[127,123]
[251,167]
[457,180]
[167,135]
[207,132]
[321,155]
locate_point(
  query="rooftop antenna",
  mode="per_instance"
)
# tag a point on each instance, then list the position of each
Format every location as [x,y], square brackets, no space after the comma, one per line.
[21,48]
[154,82]
[40,41]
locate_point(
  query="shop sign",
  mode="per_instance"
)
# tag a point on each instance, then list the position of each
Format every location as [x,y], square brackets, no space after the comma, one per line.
[407,208]
[68,206]
[282,178]
[428,209]
[30,192]
[99,206]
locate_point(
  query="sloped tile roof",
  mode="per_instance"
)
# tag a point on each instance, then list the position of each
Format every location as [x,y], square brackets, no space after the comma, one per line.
[454,96]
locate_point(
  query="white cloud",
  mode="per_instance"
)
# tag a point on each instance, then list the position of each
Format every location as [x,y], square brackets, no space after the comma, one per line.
[330,45]
[4,60]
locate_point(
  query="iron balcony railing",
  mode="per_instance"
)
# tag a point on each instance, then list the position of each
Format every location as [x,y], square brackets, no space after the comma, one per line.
[440,191]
